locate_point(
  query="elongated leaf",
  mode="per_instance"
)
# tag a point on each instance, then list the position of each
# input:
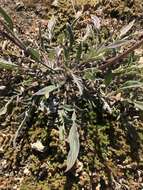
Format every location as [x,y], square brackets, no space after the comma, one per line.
[7,64]
[46,90]
[126,28]
[96,21]
[108,77]
[70,34]
[132,84]
[138,104]
[34,54]
[118,43]
[4,109]
[62,132]
[61,114]
[106,106]
[78,81]
[51,26]
[78,14]
[79,52]
[66,53]
[74,117]
[87,33]
[58,51]
[127,69]
[20,127]
[74,146]
[7,18]
[67,108]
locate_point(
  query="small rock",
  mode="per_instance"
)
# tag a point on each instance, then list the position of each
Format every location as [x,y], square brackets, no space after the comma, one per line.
[2,87]
[38,146]
[26,171]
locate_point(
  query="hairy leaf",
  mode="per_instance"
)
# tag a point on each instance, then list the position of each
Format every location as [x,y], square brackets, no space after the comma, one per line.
[46,90]
[78,81]
[4,109]
[62,132]
[51,26]
[118,43]
[66,53]
[126,28]
[7,18]
[20,128]
[108,77]
[138,104]
[74,146]
[70,34]
[87,33]
[96,21]
[132,84]
[34,54]
[7,64]
[79,52]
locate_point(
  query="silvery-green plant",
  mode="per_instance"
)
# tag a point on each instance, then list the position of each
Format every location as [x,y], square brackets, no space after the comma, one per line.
[74,65]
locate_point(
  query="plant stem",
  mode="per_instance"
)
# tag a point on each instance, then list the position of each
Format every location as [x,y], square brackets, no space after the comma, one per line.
[11,36]
[114,60]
